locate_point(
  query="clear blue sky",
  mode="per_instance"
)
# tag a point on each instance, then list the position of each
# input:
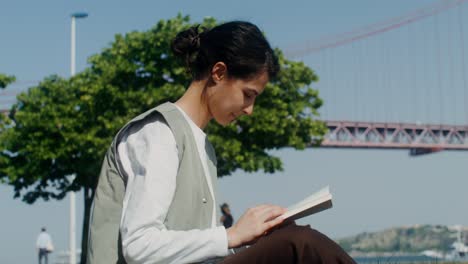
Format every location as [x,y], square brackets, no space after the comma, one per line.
[373,189]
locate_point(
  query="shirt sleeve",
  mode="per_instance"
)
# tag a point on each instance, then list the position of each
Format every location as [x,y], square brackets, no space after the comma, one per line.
[49,240]
[149,156]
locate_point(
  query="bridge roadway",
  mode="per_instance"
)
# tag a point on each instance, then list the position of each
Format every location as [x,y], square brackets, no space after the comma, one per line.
[418,138]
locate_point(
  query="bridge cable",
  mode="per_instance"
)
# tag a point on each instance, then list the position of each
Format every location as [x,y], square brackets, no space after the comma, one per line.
[464,73]
[409,75]
[355,84]
[438,67]
[426,94]
[450,50]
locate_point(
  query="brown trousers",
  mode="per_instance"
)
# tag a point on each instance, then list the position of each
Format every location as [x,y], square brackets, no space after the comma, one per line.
[292,244]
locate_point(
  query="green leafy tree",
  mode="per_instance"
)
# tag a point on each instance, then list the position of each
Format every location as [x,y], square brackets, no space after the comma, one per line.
[5,80]
[63,127]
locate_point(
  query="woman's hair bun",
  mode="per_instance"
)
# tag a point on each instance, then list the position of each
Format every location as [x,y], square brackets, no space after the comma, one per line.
[186,44]
[239,44]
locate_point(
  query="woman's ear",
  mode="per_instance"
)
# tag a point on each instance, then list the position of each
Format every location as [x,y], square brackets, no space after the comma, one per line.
[219,72]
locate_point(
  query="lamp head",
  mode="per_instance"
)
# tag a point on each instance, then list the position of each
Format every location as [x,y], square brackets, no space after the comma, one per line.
[79,15]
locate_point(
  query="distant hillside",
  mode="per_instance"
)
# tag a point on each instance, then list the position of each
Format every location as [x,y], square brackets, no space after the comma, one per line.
[414,239]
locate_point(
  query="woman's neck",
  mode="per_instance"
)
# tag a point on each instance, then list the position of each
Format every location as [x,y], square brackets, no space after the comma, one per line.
[194,104]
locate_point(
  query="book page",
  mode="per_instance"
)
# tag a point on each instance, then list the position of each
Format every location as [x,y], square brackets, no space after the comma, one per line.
[314,203]
[323,192]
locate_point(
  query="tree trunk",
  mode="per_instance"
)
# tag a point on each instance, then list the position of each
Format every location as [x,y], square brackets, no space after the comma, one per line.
[88,199]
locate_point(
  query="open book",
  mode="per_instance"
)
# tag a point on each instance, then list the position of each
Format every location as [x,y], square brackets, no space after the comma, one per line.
[312,204]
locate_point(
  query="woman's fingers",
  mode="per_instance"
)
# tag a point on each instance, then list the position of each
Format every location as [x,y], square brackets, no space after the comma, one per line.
[271,213]
[254,223]
[268,217]
[260,208]
[272,223]
[273,218]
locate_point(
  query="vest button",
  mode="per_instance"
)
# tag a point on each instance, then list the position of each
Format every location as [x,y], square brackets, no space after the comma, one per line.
[204,200]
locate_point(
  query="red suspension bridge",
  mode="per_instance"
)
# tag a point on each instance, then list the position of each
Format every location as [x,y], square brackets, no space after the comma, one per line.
[403,81]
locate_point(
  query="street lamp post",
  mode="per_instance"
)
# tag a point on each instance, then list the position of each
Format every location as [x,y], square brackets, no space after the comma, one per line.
[74,16]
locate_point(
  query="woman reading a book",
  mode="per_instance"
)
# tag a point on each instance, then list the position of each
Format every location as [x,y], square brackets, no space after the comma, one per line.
[156,196]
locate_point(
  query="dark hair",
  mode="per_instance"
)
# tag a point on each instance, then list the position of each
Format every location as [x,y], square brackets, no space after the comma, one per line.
[240,45]
[224,205]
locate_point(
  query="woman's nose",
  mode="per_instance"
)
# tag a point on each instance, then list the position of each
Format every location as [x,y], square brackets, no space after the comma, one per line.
[248,110]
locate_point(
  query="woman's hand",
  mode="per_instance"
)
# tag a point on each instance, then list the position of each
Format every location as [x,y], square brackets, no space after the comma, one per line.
[254,223]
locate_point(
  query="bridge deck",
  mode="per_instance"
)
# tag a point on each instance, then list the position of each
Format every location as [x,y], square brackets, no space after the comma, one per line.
[345,134]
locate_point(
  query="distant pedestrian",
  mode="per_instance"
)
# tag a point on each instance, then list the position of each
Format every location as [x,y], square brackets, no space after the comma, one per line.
[44,245]
[226,217]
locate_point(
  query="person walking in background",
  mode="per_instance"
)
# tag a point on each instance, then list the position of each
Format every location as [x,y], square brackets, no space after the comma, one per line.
[226,218]
[44,245]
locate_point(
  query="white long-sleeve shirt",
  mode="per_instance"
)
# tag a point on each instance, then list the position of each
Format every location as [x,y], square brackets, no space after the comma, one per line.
[149,156]
[43,240]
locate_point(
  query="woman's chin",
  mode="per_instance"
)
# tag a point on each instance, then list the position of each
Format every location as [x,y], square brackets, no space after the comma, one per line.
[225,122]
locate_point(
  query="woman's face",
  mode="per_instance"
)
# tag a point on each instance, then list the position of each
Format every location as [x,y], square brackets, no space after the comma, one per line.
[230,98]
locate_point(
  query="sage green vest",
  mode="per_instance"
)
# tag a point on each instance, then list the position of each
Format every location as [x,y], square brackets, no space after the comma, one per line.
[191,207]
